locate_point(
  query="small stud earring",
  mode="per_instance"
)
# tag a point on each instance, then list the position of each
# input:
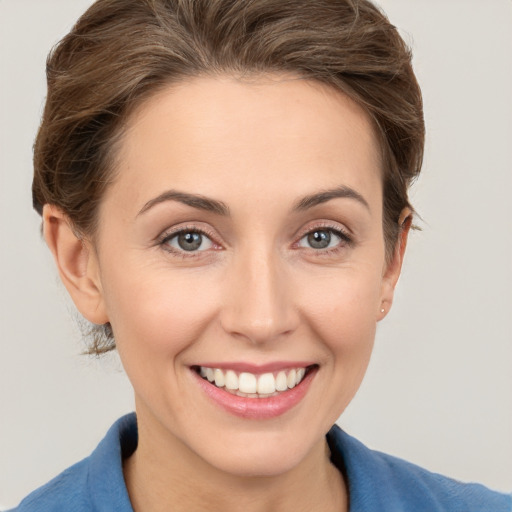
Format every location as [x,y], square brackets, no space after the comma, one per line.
[382,310]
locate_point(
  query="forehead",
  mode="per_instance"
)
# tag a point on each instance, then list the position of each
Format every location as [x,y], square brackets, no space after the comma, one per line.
[209,132]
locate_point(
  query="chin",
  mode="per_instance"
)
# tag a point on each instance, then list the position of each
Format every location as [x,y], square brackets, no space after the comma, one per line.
[263,454]
[260,463]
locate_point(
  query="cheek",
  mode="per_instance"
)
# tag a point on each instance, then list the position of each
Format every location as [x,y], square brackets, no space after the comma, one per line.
[343,318]
[342,307]
[158,312]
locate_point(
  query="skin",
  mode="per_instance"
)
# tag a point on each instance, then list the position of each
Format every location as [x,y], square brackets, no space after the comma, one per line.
[258,293]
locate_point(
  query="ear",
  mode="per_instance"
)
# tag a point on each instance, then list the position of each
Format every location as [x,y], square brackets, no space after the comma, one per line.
[77,264]
[394,267]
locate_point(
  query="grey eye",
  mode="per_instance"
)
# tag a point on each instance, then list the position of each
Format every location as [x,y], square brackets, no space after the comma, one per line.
[190,241]
[320,239]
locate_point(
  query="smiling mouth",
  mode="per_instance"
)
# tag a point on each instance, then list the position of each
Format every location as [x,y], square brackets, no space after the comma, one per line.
[250,385]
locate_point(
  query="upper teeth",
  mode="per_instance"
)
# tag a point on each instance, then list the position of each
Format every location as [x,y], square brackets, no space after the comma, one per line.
[245,382]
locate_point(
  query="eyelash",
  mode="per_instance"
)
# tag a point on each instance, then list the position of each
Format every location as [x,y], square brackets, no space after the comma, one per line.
[345,239]
[163,241]
[165,238]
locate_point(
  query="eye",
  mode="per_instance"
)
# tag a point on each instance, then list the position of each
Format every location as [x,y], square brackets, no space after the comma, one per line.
[323,239]
[189,241]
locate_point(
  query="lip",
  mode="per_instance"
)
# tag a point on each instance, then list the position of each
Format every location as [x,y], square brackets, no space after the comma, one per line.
[258,369]
[257,408]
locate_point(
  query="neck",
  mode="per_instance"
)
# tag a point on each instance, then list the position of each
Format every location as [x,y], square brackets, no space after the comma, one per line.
[164,476]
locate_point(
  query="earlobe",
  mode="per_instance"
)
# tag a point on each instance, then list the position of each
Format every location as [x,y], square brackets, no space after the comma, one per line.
[393,268]
[76,263]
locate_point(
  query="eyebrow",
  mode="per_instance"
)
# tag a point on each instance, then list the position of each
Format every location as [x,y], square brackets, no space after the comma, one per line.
[212,205]
[326,195]
[193,200]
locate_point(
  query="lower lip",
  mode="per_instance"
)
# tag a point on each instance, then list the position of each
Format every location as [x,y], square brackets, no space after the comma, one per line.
[257,408]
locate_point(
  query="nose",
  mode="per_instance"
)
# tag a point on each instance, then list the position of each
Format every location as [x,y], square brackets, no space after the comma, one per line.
[258,303]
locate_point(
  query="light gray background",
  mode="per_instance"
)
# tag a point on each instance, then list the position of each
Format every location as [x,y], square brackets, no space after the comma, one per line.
[439,388]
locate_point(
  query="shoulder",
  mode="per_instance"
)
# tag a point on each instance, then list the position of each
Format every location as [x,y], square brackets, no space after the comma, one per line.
[378,481]
[95,482]
[417,486]
[67,491]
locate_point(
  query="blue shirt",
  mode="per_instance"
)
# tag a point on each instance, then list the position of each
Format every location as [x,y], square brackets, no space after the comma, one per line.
[377,482]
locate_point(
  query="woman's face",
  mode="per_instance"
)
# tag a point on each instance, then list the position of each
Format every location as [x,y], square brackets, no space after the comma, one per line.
[242,240]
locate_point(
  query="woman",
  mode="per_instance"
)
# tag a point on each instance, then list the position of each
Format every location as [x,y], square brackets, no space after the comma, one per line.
[223,186]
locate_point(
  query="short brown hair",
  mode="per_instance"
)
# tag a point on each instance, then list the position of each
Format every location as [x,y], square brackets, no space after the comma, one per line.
[120,52]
